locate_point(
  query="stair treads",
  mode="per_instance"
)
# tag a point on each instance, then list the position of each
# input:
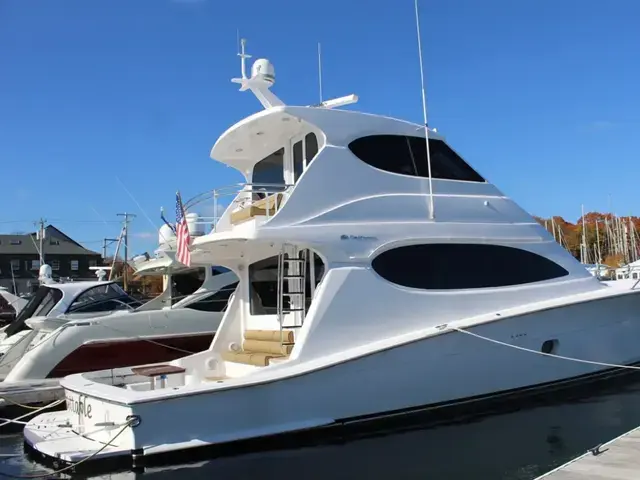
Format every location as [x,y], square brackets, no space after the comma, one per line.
[262,346]
[257,359]
[269,335]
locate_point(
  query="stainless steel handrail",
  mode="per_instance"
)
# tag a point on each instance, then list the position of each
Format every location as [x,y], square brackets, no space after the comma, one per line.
[237,190]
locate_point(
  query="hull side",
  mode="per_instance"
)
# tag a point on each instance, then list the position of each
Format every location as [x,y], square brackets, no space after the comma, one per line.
[441,371]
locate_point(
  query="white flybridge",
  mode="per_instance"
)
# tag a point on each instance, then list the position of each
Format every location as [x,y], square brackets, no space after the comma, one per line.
[352,303]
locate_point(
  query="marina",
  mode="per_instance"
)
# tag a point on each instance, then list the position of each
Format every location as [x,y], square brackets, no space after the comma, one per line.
[617,459]
[340,289]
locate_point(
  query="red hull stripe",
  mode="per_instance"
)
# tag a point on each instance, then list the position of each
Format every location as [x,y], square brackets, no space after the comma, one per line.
[126,353]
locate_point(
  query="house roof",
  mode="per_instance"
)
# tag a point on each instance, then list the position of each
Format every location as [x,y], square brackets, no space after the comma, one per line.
[28,244]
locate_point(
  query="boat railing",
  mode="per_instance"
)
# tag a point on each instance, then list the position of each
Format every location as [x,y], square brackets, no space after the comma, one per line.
[244,200]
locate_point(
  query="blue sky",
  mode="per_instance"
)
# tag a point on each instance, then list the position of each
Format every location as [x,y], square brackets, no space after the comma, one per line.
[102,97]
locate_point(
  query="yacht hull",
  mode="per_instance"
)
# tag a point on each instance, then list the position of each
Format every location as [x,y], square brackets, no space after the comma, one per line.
[444,370]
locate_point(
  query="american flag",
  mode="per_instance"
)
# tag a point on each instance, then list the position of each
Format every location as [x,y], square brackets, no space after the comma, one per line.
[182,234]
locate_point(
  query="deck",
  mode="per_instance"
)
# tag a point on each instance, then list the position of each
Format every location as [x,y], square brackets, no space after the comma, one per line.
[30,392]
[618,459]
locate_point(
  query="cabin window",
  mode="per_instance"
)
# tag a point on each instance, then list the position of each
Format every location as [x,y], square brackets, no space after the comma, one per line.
[263,285]
[443,266]
[269,171]
[55,264]
[407,155]
[40,303]
[15,265]
[310,147]
[216,301]
[74,265]
[51,297]
[298,160]
[35,264]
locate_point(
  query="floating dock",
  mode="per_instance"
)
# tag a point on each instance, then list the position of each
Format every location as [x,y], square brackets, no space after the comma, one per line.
[30,392]
[618,459]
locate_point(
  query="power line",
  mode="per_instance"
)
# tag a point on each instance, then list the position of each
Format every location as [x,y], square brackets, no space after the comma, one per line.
[60,221]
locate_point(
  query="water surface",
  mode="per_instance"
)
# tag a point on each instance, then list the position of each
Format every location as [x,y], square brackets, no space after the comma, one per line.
[509,445]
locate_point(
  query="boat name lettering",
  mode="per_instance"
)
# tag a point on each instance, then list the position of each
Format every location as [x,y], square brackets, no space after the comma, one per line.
[357,237]
[79,406]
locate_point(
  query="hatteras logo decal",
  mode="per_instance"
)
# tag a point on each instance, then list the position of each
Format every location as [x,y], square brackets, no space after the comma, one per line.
[357,237]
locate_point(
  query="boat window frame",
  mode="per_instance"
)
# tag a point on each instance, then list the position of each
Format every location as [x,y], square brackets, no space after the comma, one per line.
[406,155]
[441,266]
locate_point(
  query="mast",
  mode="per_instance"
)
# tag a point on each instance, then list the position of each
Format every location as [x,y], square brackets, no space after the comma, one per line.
[598,252]
[424,115]
[583,246]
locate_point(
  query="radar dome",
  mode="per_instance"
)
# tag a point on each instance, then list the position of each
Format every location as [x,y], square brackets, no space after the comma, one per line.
[45,271]
[263,69]
[101,274]
[45,276]
[165,234]
[195,226]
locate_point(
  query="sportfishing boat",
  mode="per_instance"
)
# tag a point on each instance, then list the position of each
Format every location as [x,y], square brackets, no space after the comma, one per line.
[377,270]
[84,326]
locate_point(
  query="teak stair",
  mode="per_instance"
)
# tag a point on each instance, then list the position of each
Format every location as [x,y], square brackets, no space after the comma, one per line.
[261,346]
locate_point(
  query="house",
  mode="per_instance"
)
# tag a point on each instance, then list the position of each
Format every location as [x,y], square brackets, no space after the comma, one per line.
[631,270]
[20,260]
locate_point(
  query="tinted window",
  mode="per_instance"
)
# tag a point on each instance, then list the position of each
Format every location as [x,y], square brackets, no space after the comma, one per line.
[102,298]
[214,302]
[454,266]
[269,170]
[40,303]
[298,160]
[408,156]
[310,147]
[52,297]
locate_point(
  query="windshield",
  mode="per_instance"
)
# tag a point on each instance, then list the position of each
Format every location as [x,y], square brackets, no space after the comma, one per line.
[103,298]
[40,304]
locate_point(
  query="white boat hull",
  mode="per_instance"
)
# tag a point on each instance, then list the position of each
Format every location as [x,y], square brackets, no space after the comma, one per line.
[437,371]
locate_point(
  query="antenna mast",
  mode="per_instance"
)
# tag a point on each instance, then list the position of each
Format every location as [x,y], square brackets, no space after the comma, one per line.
[424,114]
[320,71]
[243,56]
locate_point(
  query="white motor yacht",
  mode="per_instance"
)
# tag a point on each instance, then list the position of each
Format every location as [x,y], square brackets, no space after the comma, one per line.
[366,266]
[85,326]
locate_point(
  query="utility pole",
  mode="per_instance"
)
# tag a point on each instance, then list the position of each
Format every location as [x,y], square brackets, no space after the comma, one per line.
[125,280]
[105,243]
